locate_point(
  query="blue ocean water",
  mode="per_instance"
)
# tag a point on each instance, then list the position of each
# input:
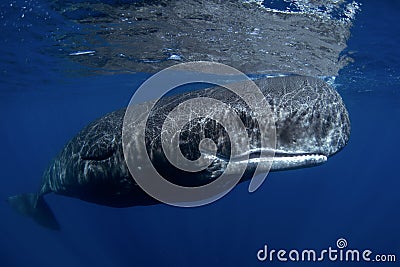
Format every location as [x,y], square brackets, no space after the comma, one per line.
[353,196]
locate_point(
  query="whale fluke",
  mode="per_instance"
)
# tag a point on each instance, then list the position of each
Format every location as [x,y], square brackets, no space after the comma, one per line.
[35,207]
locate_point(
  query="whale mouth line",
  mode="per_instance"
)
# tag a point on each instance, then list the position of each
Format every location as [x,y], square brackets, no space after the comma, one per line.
[297,154]
[279,160]
[253,155]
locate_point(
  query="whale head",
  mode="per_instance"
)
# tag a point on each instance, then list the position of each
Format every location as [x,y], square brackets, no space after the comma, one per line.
[312,122]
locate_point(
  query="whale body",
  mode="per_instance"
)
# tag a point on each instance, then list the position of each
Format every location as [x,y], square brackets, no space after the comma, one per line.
[311,123]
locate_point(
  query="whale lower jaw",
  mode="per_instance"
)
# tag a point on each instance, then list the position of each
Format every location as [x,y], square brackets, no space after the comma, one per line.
[287,161]
[281,161]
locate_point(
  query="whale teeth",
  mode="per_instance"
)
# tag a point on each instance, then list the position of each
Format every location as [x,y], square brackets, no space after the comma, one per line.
[284,162]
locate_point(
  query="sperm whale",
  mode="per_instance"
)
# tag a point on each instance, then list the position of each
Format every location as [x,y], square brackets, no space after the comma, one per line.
[311,122]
